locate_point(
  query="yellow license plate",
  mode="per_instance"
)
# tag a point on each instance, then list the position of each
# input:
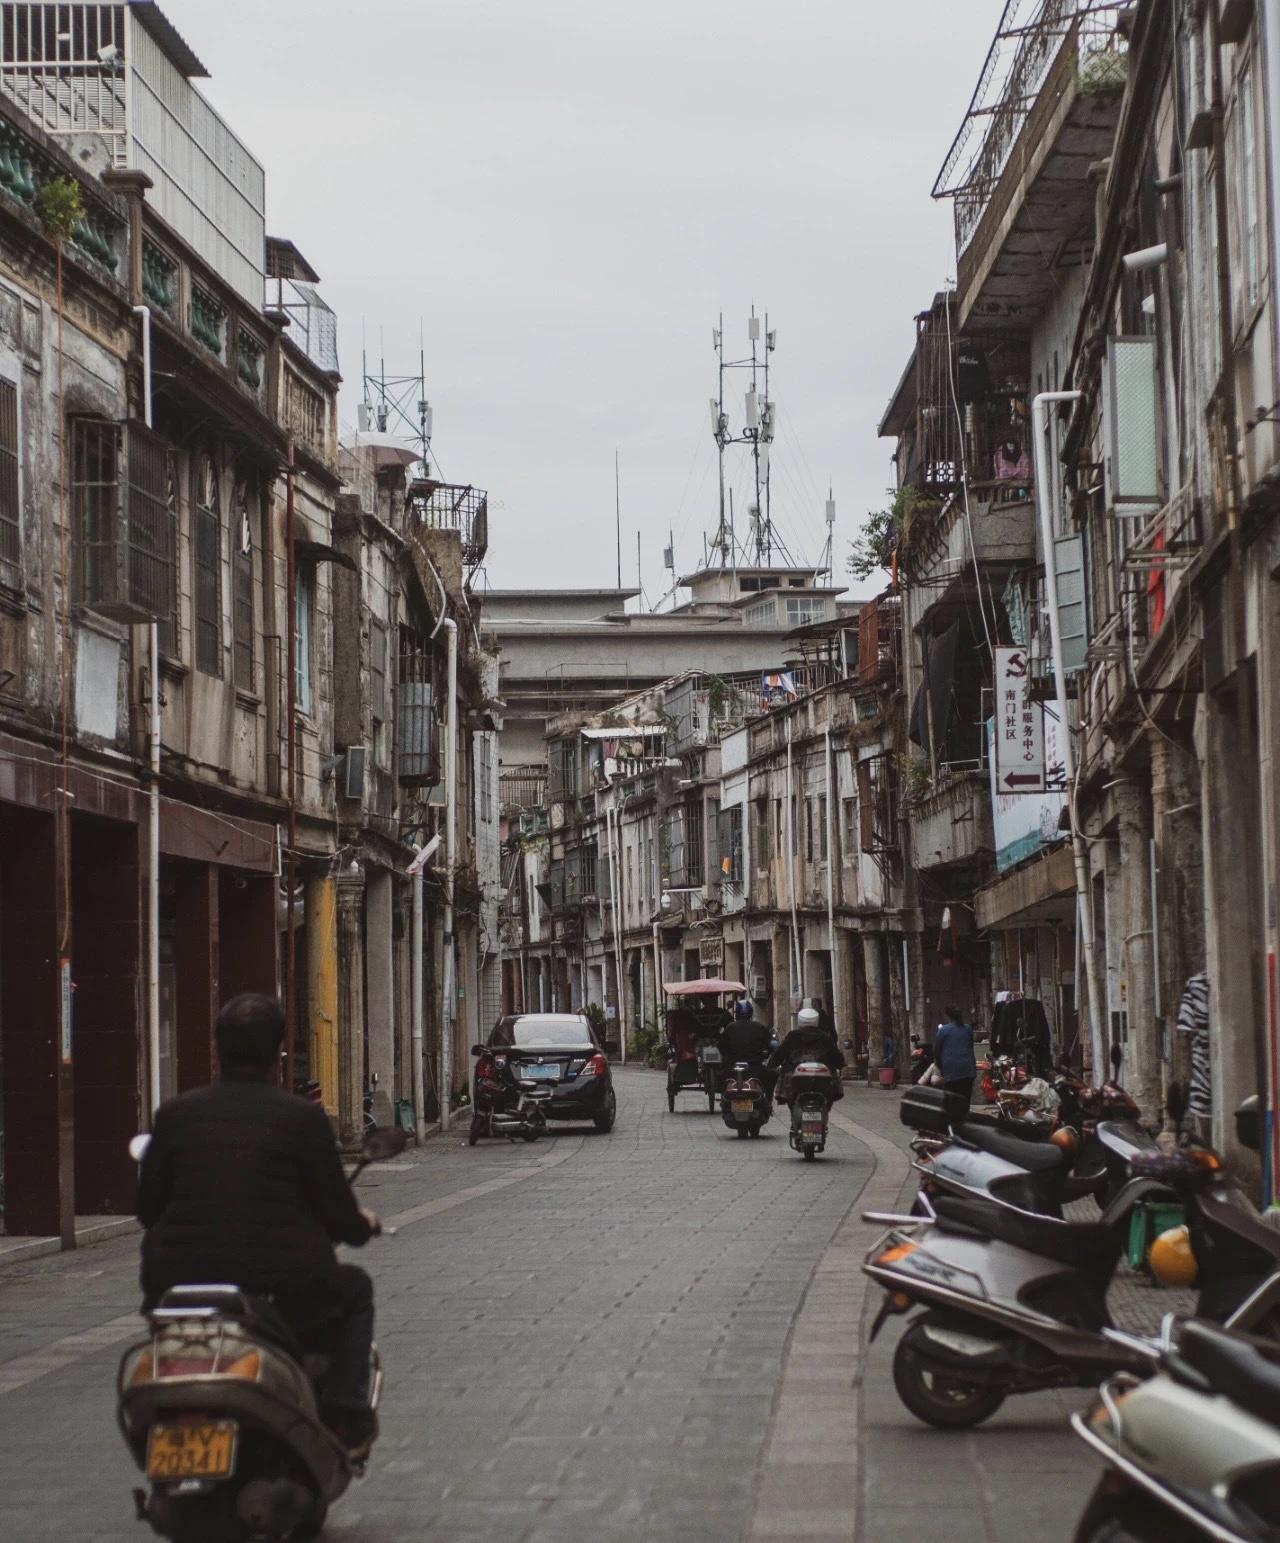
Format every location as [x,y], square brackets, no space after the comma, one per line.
[743,1105]
[192,1451]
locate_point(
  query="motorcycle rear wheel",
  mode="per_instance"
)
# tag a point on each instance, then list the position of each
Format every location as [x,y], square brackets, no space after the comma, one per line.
[476,1131]
[809,1153]
[937,1397]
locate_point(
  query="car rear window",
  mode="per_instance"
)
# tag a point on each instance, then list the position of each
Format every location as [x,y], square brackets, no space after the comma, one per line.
[548,1033]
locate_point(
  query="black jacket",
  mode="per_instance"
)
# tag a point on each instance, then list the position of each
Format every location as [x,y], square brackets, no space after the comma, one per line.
[810,1045]
[243,1184]
[746,1041]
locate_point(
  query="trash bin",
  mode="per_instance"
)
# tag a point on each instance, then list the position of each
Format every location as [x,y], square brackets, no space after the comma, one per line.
[404,1116]
[888,1076]
[1147,1220]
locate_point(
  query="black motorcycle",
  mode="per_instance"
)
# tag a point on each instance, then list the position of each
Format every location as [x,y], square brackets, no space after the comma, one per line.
[811,1092]
[744,1102]
[220,1408]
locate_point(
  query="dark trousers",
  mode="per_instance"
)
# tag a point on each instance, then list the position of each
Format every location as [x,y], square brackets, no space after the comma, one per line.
[343,1328]
[961,1085]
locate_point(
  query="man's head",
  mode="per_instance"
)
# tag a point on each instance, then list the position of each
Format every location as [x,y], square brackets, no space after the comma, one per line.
[807,1018]
[248,1034]
[953,1014]
[743,1010]
[816,1004]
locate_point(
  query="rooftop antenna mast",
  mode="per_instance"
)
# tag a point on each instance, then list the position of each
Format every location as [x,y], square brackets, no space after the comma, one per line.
[757,434]
[398,405]
[824,562]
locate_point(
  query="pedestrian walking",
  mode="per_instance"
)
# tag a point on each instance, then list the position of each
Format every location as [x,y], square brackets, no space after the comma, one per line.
[953,1054]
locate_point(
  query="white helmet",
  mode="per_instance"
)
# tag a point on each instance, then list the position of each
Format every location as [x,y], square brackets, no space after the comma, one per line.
[807,1018]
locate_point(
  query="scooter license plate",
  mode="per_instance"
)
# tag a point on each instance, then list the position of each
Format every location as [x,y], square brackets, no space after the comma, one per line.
[811,1128]
[205,1451]
[742,1108]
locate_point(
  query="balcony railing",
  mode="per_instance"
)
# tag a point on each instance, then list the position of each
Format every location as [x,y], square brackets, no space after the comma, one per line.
[453,506]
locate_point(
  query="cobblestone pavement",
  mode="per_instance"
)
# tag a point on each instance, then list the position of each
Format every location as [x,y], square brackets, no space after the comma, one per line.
[654,1334]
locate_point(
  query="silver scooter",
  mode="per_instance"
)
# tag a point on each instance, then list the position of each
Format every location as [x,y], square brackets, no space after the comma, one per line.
[1016,1302]
[956,1154]
[1192,1452]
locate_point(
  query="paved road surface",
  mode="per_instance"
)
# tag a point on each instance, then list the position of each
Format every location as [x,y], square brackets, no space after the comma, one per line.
[654,1334]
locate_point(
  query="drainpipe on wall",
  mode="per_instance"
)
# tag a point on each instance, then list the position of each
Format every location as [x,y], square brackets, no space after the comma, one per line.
[797,981]
[415,1000]
[448,988]
[153,793]
[831,865]
[1079,853]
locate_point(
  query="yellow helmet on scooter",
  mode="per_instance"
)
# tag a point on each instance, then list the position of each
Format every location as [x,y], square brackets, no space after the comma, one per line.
[1171,1260]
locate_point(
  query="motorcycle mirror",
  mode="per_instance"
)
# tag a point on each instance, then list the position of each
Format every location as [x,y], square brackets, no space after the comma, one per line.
[477,1050]
[138,1147]
[383,1142]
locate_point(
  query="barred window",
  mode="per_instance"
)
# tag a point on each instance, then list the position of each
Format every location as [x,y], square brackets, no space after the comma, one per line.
[242,592]
[208,569]
[378,689]
[10,510]
[153,532]
[304,593]
[95,501]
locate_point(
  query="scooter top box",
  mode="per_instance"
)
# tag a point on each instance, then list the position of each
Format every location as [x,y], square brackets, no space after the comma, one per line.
[932,1110]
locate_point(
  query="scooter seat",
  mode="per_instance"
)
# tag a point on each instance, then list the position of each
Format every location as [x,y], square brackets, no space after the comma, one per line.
[1236,1367]
[1030,1155]
[1088,1247]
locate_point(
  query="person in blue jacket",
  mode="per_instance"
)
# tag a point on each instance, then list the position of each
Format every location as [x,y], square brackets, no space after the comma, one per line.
[953,1054]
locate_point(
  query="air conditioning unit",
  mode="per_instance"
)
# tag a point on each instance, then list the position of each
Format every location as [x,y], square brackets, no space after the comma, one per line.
[353,775]
[759,988]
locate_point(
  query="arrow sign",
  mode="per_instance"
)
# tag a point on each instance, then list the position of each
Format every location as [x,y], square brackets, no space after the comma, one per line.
[1018,724]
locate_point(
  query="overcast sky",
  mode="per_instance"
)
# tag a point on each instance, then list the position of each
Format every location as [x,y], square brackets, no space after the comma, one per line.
[568,192]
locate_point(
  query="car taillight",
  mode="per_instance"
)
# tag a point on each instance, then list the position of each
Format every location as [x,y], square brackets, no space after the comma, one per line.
[484,1067]
[597,1066]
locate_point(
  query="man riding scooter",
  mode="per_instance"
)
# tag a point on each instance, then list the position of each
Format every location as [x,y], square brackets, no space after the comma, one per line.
[808,1041]
[748,1041]
[242,1183]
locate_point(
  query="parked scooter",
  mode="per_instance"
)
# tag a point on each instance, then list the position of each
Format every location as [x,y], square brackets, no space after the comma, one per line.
[970,1158]
[1016,1302]
[220,1409]
[812,1091]
[506,1105]
[744,1104]
[1193,1452]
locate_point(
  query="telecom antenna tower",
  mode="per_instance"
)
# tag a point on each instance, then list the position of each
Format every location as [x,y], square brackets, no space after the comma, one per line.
[759,424]
[397,404]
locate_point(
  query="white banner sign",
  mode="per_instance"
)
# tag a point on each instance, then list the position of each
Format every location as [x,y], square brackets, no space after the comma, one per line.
[1019,725]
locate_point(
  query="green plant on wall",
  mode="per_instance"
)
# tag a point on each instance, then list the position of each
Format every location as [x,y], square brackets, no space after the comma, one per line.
[60,207]
[874,545]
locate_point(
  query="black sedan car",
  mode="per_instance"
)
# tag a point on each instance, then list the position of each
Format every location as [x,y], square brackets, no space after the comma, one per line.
[560,1050]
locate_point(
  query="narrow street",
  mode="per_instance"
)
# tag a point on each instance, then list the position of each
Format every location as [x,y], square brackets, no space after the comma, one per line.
[656,1334]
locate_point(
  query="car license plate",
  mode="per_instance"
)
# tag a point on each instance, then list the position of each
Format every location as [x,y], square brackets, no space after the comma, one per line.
[543,1073]
[742,1107]
[205,1451]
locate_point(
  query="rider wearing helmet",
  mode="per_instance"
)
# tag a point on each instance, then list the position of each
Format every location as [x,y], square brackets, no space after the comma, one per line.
[747,1040]
[809,1041]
